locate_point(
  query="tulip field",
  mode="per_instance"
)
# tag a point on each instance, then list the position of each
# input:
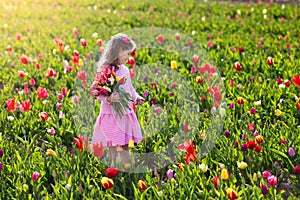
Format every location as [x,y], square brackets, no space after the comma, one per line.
[221,82]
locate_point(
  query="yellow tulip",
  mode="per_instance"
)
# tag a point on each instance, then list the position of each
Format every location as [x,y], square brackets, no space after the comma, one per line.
[225,174]
[173,64]
[242,165]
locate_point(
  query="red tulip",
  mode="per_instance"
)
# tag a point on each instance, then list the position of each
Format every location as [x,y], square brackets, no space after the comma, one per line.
[9,48]
[296,80]
[298,105]
[287,83]
[199,79]
[22,74]
[10,104]
[188,147]
[99,43]
[297,170]
[81,141]
[241,49]
[19,36]
[83,42]
[131,61]
[237,66]
[216,182]
[24,60]
[251,144]
[133,53]
[160,38]
[257,148]
[235,144]
[112,172]
[38,66]
[26,105]
[42,93]
[270,61]
[279,81]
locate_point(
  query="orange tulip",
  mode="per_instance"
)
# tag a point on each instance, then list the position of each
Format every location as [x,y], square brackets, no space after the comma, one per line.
[98,149]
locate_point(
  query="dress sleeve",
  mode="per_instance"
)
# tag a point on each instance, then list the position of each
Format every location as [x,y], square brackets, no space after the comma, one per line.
[134,94]
[103,98]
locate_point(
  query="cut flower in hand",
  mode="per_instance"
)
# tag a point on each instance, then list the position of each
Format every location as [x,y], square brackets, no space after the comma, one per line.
[106,82]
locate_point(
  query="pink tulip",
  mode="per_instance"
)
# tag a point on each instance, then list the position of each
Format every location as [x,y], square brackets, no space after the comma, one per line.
[51,131]
[157,110]
[64,91]
[177,36]
[266,174]
[58,105]
[253,111]
[160,38]
[26,90]
[32,82]
[35,176]
[195,59]
[272,181]
[59,96]
[75,99]
[186,128]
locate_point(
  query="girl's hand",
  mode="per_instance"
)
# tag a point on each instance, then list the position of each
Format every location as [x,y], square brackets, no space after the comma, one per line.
[114,97]
[94,93]
[140,100]
[122,81]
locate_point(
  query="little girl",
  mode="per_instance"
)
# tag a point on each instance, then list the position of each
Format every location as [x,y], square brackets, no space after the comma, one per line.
[110,129]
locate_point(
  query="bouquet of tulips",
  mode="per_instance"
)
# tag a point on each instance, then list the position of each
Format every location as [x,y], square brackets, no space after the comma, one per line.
[106,82]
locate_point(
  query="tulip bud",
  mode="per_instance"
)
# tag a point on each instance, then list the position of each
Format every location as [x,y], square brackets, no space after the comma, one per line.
[291,152]
[170,173]
[35,176]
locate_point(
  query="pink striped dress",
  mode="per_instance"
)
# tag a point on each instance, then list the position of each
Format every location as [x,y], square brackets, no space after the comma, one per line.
[109,128]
